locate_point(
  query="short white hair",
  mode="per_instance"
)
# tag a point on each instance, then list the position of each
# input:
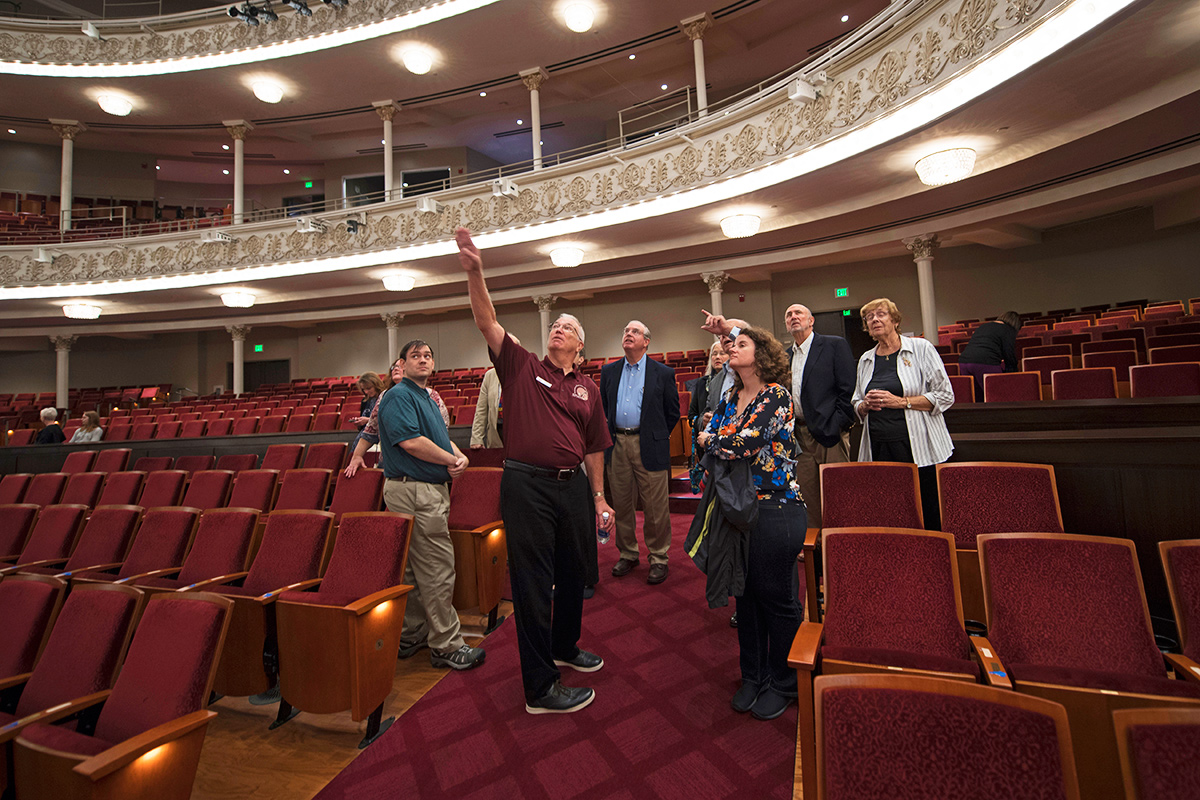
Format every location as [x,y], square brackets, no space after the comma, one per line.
[575,320]
[645,327]
[49,414]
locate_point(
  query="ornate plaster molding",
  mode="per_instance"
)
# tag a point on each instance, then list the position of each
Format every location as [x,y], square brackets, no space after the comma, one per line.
[923,247]
[238,332]
[63,343]
[392,320]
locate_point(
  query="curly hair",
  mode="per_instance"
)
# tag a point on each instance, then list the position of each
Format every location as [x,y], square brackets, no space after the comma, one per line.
[770,359]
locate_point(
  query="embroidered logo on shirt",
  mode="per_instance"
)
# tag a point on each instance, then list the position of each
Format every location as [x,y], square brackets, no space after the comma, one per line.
[582,393]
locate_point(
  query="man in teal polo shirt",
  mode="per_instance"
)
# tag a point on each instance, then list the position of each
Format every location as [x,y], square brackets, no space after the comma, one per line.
[418,461]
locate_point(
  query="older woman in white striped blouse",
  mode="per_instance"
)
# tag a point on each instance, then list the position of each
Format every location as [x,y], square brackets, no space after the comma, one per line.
[901,394]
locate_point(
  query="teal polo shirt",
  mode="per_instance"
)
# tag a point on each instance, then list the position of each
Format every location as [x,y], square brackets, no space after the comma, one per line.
[406,411]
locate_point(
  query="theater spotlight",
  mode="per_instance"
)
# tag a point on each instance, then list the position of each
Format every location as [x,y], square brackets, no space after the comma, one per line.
[267,13]
[301,7]
[247,14]
[336,3]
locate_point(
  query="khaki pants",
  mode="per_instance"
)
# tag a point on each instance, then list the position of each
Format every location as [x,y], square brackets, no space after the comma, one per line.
[812,455]
[430,609]
[629,479]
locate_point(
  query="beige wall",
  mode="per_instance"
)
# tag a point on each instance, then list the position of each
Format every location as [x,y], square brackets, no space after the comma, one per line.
[37,168]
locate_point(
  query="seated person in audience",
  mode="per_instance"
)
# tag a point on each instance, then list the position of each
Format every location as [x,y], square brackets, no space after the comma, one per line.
[52,433]
[992,349]
[488,424]
[90,431]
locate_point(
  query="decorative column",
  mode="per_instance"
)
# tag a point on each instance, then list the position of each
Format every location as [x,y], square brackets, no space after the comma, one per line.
[533,80]
[694,28]
[545,302]
[62,353]
[922,248]
[68,129]
[386,109]
[393,321]
[238,333]
[238,128]
[716,286]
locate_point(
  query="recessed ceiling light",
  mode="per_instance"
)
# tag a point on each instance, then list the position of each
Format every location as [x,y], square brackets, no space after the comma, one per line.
[156,166]
[238,299]
[663,87]
[383,141]
[632,56]
[845,17]
[417,61]
[520,122]
[566,257]
[115,104]
[224,147]
[224,172]
[81,311]
[399,282]
[946,166]
[579,17]
[483,94]
[739,226]
[287,172]
[10,130]
[268,91]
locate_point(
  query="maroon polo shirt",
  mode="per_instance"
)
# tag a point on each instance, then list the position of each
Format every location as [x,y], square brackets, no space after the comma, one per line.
[550,419]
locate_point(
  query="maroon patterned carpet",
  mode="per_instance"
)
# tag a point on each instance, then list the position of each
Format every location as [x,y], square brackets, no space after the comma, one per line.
[660,727]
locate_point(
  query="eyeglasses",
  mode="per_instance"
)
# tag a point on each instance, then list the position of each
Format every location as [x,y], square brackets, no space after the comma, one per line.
[881,313]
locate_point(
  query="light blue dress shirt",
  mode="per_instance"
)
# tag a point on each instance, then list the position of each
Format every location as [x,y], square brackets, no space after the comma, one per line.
[629,393]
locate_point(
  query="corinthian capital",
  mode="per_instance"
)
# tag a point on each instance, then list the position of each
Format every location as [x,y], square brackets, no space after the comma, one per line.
[922,246]
[715,281]
[386,109]
[534,78]
[68,128]
[544,302]
[237,128]
[62,343]
[694,27]
[238,332]
[392,320]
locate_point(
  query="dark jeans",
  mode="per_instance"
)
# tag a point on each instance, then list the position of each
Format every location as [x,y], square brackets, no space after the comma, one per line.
[769,612]
[547,523]
[901,451]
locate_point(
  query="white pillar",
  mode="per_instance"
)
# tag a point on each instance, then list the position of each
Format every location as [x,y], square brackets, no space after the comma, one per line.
[238,128]
[922,248]
[533,80]
[715,281]
[238,334]
[545,302]
[62,352]
[68,129]
[393,332]
[694,28]
[386,109]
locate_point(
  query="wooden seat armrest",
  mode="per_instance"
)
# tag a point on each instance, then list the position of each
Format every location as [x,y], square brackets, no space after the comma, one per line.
[810,539]
[990,665]
[803,654]
[92,568]
[60,711]
[488,528]
[365,604]
[220,580]
[114,758]
[1183,667]
[45,562]
[13,680]
[158,573]
[301,586]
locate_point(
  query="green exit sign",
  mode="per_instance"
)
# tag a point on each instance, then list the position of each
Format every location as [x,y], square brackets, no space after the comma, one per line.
[846,313]
[844,292]
[258,347]
[308,184]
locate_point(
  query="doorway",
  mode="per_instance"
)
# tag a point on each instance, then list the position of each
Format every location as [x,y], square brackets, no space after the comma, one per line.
[256,373]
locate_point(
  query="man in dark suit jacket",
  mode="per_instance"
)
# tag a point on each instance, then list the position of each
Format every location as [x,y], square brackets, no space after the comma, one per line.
[641,402]
[823,376]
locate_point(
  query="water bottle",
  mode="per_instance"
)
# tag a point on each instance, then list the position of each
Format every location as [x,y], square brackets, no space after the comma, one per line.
[603,533]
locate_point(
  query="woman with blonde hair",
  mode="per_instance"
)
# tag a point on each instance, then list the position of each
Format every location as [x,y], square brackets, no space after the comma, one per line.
[90,431]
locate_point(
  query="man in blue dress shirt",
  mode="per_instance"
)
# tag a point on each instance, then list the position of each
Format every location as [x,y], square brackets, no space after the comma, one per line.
[641,402]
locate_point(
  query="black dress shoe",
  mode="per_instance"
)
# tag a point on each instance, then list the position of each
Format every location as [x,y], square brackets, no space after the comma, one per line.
[733,620]
[589,592]
[624,567]
[561,700]
[743,699]
[658,574]
[770,704]
[582,662]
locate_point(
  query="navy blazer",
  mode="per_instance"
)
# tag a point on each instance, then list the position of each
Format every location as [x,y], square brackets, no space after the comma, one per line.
[660,410]
[826,388]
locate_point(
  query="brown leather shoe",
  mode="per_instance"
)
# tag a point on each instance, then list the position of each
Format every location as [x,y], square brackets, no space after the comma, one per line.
[658,574]
[624,567]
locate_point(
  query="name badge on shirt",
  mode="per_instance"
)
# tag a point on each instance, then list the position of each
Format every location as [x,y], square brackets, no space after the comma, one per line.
[543,381]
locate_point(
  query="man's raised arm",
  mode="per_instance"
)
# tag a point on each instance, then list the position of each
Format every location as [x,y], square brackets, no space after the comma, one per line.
[481,301]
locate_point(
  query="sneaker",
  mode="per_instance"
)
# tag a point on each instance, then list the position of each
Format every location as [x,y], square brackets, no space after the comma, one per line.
[583,662]
[409,649]
[561,700]
[465,657]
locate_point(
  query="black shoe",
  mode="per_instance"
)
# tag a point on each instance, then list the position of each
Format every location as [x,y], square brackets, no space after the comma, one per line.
[658,574]
[589,592]
[561,700]
[770,704]
[583,662]
[733,620]
[623,567]
[409,649]
[743,699]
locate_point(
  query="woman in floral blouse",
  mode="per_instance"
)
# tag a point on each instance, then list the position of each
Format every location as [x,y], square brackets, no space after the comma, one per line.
[755,421]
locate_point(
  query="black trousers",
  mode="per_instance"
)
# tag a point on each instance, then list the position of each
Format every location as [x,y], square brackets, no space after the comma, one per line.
[548,524]
[901,451]
[769,611]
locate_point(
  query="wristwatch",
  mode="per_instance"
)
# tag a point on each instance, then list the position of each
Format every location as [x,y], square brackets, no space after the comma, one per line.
[597,494]
[908,403]
[734,332]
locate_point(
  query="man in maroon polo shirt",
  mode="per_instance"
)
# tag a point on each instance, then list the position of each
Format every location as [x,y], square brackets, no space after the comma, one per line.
[553,423]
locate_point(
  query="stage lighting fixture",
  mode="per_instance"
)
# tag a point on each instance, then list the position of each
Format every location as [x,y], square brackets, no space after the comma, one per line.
[336,3]
[247,14]
[268,13]
[301,7]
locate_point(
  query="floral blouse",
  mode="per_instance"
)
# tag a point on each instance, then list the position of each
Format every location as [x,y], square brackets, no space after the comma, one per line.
[763,432]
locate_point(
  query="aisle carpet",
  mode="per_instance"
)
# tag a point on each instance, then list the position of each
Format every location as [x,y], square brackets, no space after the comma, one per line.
[660,727]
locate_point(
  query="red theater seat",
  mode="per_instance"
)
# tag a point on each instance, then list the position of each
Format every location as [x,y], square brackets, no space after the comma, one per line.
[114,459]
[162,541]
[121,488]
[1165,380]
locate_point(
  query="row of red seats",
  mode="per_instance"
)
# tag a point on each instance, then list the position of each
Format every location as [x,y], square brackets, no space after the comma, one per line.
[1181,379]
